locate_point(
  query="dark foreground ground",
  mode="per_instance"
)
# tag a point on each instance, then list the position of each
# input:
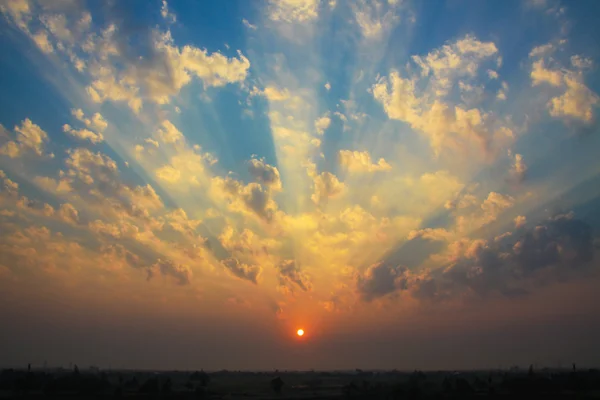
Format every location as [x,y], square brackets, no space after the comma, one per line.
[141,385]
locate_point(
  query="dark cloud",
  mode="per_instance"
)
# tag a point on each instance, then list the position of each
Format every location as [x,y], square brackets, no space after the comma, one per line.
[255,197]
[258,199]
[181,273]
[558,245]
[264,173]
[549,251]
[381,279]
[290,274]
[241,270]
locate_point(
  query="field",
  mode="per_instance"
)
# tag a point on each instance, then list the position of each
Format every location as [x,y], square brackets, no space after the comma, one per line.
[127,384]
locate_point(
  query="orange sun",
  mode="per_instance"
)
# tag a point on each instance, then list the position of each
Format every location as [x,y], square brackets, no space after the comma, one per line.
[300,332]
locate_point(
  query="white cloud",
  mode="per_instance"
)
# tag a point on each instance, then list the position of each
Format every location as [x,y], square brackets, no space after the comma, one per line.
[170,69]
[326,185]
[169,133]
[166,13]
[360,161]
[540,74]
[421,102]
[96,122]
[580,62]
[542,50]
[168,173]
[83,134]
[29,138]
[248,25]
[322,124]
[372,20]
[453,60]
[293,10]
[88,166]
[577,102]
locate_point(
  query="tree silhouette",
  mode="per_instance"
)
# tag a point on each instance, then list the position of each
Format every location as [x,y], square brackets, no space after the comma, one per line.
[277,385]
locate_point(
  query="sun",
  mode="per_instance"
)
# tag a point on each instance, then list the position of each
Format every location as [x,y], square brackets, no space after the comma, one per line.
[300,332]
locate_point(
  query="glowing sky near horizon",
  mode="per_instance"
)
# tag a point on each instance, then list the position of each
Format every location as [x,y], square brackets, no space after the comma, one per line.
[404,180]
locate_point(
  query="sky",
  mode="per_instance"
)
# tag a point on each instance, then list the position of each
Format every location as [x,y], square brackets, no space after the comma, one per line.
[184,184]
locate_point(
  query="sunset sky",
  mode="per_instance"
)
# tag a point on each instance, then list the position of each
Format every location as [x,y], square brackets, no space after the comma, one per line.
[185,184]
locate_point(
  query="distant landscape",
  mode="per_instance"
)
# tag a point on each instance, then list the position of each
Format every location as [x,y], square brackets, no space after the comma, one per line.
[545,383]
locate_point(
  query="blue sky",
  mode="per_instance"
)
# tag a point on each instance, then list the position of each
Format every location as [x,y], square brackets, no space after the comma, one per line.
[329,165]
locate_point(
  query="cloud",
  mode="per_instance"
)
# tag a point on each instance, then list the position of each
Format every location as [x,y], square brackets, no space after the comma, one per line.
[453,60]
[160,76]
[272,93]
[243,271]
[29,138]
[489,211]
[519,169]
[168,174]
[502,92]
[293,10]
[87,166]
[41,40]
[580,62]
[371,18]
[179,221]
[495,204]
[542,50]
[465,201]
[187,167]
[540,74]
[381,279]
[94,179]
[290,276]
[248,25]
[435,234]
[322,124]
[166,13]
[520,221]
[68,214]
[559,244]
[169,133]
[19,11]
[252,199]
[360,161]
[83,134]
[326,185]
[421,99]
[577,102]
[9,186]
[264,173]
[96,122]
[181,273]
